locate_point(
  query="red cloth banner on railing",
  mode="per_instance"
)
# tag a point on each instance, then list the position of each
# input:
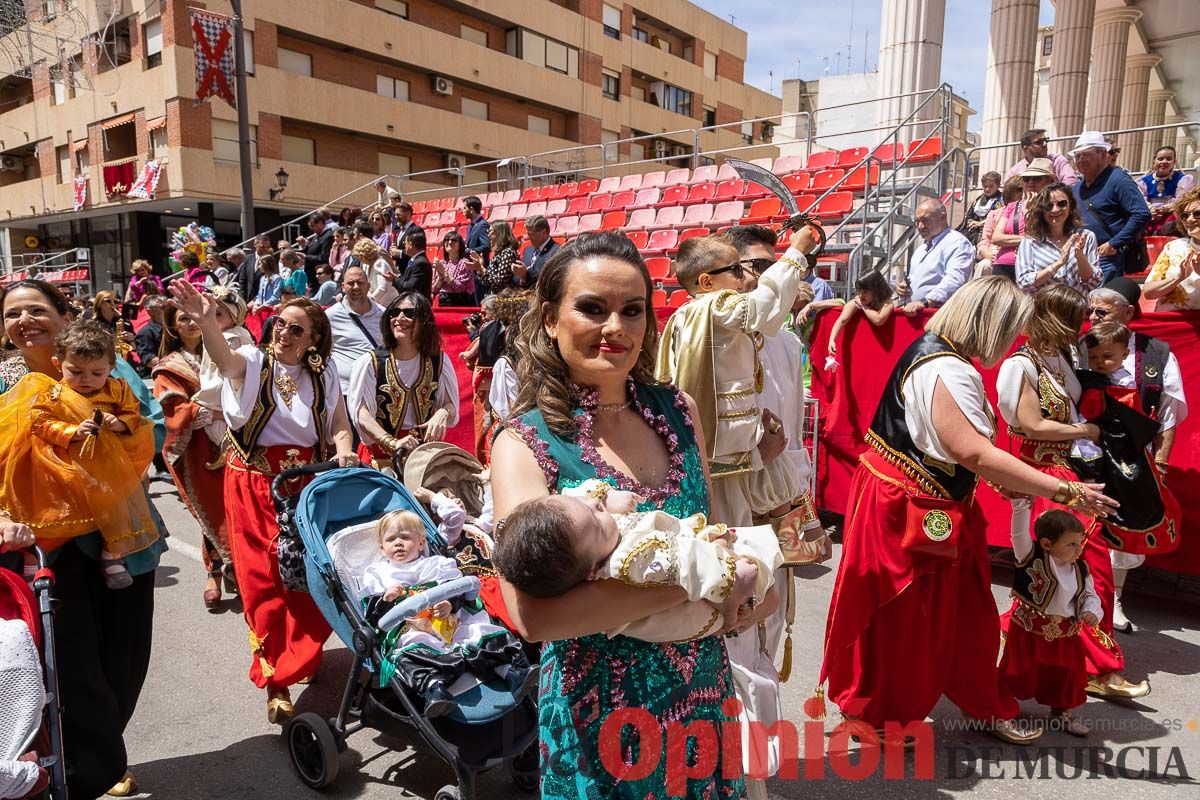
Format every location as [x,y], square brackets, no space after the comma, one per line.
[866,355]
[118,178]
[213,39]
[147,183]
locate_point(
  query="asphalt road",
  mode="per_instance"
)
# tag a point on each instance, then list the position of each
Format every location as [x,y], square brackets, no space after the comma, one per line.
[200,730]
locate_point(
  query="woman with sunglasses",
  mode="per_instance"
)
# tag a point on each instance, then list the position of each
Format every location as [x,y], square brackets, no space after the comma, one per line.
[1174,280]
[1056,248]
[397,394]
[453,282]
[285,409]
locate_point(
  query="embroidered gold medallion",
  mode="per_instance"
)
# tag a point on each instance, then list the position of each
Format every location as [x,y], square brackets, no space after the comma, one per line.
[937,525]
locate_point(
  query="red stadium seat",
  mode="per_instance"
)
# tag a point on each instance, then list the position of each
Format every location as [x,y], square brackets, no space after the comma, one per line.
[851,156]
[646,198]
[517,211]
[729,190]
[825,179]
[705,173]
[836,205]
[609,185]
[673,196]
[692,233]
[590,222]
[786,165]
[530,194]
[668,217]
[577,205]
[925,150]
[676,177]
[796,183]
[639,238]
[641,219]
[518,228]
[419,219]
[1155,245]
[658,298]
[631,183]
[568,190]
[623,199]
[701,192]
[613,221]
[821,160]
[599,202]
[856,181]
[536,209]
[726,173]
[567,226]
[498,214]
[762,211]
[659,268]
[766,163]
[511,196]
[678,298]
[729,212]
[653,180]
[806,201]
[661,242]
[419,206]
[890,153]
[556,207]
[697,215]
[585,187]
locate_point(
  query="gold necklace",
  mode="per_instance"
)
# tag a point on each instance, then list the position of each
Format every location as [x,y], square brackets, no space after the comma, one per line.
[287,388]
[612,407]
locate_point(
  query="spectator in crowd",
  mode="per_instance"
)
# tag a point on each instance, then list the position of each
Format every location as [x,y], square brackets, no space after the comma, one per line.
[104,311]
[526,270]
[269,282]
[1113,153]
[402,224]
[453,282]
[144,282]
[1174,281]
[1010,226]
[1111,207]
[987,250]
[417,273]
[354,322]
[291,270]
[1056,248]
[379,271]
[1035,145]
[347,216]
[213,263]
[987,202]
[379,231]
[341,245]
[149,339]
[1162,186]
[327,292]
[248,275]
[243,276]
[478,242]
[385,194]
[941,264]
[496,274]
[316,246]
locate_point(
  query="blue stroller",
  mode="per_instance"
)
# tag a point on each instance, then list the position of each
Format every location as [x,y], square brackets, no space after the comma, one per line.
[334,518]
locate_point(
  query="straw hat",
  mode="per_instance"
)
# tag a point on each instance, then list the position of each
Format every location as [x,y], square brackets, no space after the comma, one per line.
[1039,168]
[441,465]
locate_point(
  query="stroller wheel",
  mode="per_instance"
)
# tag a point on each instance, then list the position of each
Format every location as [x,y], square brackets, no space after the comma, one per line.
[523,769]
[448,792]
[314,750]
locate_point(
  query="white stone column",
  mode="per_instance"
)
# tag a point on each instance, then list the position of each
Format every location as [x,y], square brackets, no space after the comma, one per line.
[1133,107]
[1007,106]
[1156,114]
[1177,137]
[1109,43]
[910,59]
[1070,61]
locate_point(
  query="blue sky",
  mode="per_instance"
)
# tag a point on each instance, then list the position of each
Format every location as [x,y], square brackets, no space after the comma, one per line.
[806,38]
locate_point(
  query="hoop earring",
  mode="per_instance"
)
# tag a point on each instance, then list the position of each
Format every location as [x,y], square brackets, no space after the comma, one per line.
[313,360]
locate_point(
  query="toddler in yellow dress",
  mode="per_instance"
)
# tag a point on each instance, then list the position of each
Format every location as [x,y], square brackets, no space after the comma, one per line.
[75,452]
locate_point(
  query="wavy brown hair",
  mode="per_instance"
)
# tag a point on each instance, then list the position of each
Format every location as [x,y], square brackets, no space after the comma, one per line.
[1036,224]
[542,375]
[1058,313]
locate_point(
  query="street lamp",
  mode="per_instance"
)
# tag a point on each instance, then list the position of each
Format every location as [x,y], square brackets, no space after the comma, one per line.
[281,178]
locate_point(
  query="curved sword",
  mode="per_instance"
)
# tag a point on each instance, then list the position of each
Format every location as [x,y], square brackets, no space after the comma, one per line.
[772,183]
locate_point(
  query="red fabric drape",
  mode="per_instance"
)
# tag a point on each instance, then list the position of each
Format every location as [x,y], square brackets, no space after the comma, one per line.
[849,395]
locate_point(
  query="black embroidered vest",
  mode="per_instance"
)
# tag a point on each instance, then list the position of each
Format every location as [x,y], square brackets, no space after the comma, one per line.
[245,439]
[1034,582]
[889,435]
[1150,359]
[393,398]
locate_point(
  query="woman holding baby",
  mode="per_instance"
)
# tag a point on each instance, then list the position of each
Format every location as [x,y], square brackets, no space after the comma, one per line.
[589,409]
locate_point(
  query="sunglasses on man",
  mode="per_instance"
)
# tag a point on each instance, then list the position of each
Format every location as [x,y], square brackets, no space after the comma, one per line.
[1037,143]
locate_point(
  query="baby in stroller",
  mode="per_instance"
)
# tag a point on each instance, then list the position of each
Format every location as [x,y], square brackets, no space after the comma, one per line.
[433,650]
[591,532]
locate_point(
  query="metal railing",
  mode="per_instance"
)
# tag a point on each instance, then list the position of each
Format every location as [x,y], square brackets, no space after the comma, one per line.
[74,258]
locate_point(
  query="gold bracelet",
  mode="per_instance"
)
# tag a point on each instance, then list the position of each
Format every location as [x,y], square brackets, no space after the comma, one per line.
[793,262]
[1063,492]
[1077,497]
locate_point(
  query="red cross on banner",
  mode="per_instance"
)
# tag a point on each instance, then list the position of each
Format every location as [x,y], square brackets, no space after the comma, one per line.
[213,35]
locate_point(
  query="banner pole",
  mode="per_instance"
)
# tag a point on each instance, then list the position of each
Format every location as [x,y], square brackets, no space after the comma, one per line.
[243,112]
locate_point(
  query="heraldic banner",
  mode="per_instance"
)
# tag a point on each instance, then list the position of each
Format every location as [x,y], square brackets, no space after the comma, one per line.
[213,36]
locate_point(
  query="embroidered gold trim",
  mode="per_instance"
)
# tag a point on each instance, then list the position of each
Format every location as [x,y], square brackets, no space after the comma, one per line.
[749,412]
[734,395]
[730,577]
[649,543]
[906,465]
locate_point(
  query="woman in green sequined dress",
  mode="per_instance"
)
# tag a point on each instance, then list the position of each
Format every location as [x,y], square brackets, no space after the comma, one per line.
[588,408]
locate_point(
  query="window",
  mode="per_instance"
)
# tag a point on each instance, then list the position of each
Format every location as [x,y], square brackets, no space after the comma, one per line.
[710,117]
[536,49]
[75,74]
[225,141]
[475,36]
[81,159]
[748,132]
[610,84]
[641,35]
[116,49]
[637,151]
[299,149]
[152,32]
[393,7]
[612,22]
[672,98]
[1047,44]
[608,139]
[51,9]
[391,87]
[292,61]
[63,156]
[689,53]
[248,50]
[58,85]
[158,142]
[767,131]
[539,125]
[637,93]
[392,164]
[710,65]
[474,109]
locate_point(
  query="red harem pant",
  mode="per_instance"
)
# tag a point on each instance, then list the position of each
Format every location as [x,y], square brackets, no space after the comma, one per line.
[287,630]
[1101,652]
[1044,661]
[904,629]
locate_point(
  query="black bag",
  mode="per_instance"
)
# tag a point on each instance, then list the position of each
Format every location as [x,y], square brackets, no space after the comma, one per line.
[289,551]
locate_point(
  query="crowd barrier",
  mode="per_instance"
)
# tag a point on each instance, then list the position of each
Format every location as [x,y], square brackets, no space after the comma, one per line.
[850,394]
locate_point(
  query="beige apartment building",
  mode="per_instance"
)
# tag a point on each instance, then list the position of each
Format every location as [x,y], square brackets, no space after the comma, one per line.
[341,91]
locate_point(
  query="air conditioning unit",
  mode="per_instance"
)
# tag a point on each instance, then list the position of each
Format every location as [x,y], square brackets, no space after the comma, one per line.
[456,162]
[679,151]
[660,149]
[443,86]
[11,164]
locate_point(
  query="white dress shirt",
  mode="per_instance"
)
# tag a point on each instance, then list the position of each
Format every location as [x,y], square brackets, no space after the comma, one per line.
[940,266]
[362,390]
[1172,409]
[288,425]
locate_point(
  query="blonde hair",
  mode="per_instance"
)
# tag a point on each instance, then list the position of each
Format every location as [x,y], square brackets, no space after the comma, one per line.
[366,251]
[1058,313]
[698,255]
[983,318]
[404,520]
